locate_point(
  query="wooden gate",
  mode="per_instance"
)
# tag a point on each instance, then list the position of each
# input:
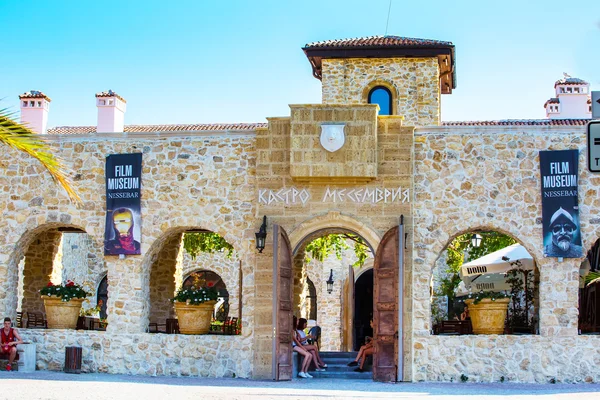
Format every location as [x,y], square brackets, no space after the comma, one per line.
[282,305]
[387,306]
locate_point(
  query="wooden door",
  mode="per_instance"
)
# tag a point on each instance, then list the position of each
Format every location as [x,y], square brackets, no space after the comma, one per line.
[387,307]
[282,305]
[348,311]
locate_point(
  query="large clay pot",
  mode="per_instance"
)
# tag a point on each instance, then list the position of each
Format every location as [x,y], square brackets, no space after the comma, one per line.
[194,319]
[62,314]
[488,316]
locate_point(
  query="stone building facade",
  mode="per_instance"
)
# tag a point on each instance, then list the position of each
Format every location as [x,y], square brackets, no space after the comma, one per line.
[445,179]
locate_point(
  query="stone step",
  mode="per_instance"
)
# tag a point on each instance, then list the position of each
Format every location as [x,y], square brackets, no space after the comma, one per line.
[339,354]
[341,375]
[341,368]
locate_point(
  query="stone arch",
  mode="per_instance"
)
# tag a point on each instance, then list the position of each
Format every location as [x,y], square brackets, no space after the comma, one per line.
[163,269]
[333,220]
[440,248]
[389,85]
[333,324]
[48,234]
[221,309]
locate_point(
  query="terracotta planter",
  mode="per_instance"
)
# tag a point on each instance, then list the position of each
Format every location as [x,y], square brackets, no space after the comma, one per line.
[194,319]
[62,314]
[488,317]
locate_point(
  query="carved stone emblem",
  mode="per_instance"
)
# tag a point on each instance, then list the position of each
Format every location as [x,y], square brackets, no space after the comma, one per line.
[332,136]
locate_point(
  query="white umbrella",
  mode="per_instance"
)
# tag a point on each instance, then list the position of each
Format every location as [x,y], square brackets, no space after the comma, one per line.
[499,262]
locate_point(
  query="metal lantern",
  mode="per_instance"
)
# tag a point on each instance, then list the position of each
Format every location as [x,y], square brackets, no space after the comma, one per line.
[261,235]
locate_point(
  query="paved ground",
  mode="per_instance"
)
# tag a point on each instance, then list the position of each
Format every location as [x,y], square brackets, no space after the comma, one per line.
[57,385]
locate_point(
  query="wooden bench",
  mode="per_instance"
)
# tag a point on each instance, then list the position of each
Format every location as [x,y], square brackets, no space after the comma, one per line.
[455,328]
[36,320]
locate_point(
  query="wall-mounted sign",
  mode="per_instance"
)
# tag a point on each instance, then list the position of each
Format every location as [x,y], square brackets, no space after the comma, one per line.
[560,205]
[290,196]
[123,229]
[593,146]
[332,136]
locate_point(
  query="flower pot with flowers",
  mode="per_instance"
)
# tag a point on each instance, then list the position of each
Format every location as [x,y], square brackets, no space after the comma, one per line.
[488,312]
[63,303]
[194,308]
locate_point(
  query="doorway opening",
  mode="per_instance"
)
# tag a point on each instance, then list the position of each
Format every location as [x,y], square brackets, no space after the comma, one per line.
[325,264]
[363,308]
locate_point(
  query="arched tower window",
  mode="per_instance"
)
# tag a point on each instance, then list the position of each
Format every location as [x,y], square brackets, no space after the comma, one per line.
[382,96]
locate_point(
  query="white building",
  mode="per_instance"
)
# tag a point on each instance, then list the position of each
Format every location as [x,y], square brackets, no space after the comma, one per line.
[572,99]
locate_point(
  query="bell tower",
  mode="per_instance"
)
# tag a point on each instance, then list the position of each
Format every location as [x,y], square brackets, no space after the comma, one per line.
[405,76]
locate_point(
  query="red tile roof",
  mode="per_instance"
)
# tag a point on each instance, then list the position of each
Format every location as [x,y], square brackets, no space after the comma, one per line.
[34,94]
[567,80]
[521,122]
[386,47]
[378,41]
[110,93]
[78,130]
[552,100]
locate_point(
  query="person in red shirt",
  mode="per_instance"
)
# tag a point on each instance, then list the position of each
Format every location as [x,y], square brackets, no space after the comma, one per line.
[10,340]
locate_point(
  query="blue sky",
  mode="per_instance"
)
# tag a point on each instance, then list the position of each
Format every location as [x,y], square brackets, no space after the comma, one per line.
[241,61]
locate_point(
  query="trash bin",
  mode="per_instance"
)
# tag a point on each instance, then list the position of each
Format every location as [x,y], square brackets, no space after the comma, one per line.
[73,360]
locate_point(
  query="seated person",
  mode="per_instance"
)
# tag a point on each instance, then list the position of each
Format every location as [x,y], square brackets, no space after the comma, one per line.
[297,347]
[365,350]
[312,348]
[10,340]
[465,314]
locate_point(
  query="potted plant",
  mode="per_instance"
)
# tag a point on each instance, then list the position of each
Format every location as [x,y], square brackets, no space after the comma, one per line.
[488,312]
[194,308]
[63,304]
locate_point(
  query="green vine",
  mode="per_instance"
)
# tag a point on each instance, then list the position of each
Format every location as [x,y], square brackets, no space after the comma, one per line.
[205,242]
[319,249]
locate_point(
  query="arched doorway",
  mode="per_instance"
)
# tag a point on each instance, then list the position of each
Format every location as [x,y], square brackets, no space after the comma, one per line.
[363,308]
[331,307]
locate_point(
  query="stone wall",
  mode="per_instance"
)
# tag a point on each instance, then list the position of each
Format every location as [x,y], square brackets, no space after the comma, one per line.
[37,270]
[370,219]
[414,83]
[190,181]
[162,281]
[228,268]
[488,178]
[145,354]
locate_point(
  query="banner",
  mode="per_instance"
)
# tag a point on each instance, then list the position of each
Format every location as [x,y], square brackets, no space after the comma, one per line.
[560,206]
[123,229]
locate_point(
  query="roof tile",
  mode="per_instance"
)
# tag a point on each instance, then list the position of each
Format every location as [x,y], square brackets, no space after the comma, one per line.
[377,41]
[80,130]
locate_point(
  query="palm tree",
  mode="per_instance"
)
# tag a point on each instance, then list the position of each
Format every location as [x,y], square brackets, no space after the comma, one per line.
[22,138]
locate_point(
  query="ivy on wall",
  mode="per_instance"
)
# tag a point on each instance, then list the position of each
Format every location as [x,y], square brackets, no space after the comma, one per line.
[205,242]
[320,248]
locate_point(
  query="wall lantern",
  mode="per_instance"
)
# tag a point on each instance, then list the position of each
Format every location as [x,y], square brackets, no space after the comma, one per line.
[476,240]
[261,235]
[330,282]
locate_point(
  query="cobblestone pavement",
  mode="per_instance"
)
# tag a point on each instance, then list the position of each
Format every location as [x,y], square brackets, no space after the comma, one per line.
[56,385]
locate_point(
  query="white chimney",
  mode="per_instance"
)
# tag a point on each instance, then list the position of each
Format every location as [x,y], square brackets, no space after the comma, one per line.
[111,112]
[34,110]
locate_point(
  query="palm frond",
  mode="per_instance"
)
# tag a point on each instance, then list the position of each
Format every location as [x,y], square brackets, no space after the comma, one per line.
[592,277]
[22,138]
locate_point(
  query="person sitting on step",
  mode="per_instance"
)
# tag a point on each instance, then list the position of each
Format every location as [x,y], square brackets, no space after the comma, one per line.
[10,340]
[312,348]
[365,350]
[299,348]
